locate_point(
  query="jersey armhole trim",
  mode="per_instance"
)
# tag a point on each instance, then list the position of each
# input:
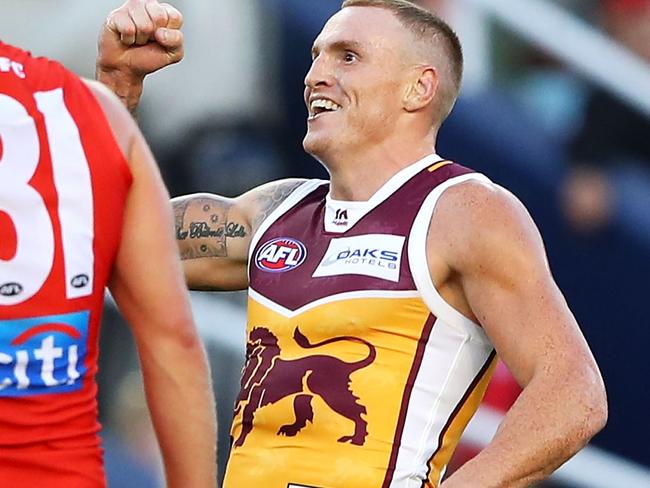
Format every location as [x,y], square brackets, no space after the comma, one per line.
[418,262]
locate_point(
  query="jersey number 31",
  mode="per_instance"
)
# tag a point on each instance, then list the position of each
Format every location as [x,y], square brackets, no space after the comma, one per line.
[25,271]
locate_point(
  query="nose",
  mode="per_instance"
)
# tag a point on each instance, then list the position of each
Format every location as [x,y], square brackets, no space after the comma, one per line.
[319,74]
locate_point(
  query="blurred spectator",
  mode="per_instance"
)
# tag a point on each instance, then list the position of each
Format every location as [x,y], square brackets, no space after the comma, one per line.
[614,134]
[224,158]
[123,469]
[132,456]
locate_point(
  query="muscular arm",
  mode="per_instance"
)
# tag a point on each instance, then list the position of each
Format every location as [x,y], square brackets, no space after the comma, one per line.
[494,252]
[148,287]
[214,233]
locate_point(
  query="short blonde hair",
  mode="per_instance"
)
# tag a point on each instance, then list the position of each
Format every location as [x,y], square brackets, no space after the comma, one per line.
[429,28]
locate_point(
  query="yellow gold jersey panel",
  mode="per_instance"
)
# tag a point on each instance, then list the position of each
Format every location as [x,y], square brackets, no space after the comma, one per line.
[323,395]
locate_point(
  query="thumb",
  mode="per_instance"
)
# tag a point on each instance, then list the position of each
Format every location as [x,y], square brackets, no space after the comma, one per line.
[171,40]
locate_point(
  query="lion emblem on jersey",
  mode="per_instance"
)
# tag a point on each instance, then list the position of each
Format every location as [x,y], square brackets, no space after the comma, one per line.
[267,379]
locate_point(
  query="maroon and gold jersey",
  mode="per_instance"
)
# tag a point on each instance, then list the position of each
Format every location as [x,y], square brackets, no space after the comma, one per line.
[358,373]
[63,186]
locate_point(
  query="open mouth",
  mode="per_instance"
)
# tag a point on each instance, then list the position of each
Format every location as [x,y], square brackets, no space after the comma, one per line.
[320,106]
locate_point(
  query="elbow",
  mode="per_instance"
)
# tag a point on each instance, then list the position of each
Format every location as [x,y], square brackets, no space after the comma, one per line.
[185,335]
[596,408]
[176,342]
[599,414]
[178,332]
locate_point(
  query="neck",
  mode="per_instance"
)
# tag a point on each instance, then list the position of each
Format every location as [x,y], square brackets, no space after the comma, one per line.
[357,175]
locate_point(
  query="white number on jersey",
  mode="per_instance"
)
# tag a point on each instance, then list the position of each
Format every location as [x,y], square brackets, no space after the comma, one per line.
[23,275]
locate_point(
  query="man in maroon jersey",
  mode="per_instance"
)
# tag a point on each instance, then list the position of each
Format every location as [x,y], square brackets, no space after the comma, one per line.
[83,207]
[377,300]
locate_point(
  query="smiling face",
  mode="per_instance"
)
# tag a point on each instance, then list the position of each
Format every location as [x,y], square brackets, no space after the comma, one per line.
[354,89]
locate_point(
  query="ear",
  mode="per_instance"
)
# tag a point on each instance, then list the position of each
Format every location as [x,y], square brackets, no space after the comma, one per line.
[422,88]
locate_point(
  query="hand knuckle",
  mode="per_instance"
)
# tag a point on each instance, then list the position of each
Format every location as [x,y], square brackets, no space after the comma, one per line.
[146,28]
[128,30]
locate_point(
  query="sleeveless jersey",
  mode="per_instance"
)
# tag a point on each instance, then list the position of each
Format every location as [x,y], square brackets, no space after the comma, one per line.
[358,374]
[63,185]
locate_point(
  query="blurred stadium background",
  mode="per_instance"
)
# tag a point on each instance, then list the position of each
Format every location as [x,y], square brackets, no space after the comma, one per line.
[555,106]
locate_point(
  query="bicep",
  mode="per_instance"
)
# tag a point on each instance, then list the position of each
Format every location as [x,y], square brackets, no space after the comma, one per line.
[524,313]
[499,257]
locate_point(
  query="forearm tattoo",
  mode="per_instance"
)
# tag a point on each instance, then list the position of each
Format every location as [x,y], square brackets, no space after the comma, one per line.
[204,226]
[268,200]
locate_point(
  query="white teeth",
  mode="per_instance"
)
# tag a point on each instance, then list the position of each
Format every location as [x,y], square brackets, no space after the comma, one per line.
[325,104]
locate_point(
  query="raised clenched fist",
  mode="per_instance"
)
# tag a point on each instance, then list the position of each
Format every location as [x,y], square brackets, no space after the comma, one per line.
[138,38]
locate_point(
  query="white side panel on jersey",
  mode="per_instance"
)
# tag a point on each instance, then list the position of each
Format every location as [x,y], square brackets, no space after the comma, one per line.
[451,362]
[74,187]
[419,264]
[298,194]
[454,355]
[23,275]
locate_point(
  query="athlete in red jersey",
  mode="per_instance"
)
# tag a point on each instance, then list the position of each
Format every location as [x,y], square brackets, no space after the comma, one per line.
[82,206]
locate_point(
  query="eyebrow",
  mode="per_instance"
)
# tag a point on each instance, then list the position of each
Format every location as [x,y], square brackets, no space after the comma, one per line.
[343,45]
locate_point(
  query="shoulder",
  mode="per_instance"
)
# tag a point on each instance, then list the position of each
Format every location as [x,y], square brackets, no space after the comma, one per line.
[121,122]
[277,187]
[479,221]
[106,98]
[479,202]
[264,199]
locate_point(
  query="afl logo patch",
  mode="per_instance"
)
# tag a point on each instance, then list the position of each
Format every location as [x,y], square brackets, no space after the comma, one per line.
[80,281]
[280,255]
[11,289]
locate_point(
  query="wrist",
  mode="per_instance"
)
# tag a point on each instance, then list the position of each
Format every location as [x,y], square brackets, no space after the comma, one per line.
[126,85]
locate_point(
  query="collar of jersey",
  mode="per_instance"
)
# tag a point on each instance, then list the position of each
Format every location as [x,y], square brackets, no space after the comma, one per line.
[356,210]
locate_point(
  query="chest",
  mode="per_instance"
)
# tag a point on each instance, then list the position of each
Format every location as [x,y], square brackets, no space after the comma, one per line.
[297,262]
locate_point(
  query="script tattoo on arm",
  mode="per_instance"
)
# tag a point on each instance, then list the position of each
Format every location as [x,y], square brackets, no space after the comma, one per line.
[203,227]
[270,198]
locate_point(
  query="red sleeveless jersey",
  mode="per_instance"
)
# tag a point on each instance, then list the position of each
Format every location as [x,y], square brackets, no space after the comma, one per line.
[63,185]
